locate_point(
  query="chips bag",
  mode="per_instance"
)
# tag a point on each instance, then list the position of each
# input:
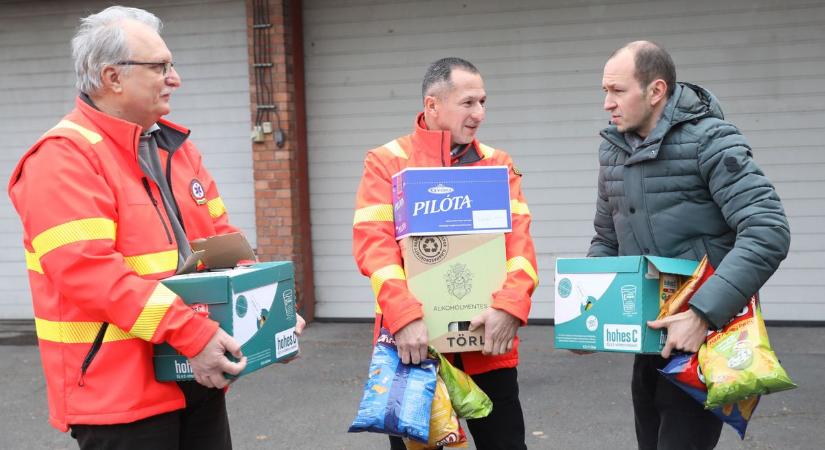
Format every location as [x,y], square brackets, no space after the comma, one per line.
[468,400]
[397,397]
[738,361]
[445,429]
[684,371]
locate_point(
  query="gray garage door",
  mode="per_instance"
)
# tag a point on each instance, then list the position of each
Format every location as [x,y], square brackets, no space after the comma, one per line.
[542,64]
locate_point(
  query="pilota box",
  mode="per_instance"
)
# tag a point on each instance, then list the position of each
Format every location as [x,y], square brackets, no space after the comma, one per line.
[454,278]
[255,304]
[435,201]
[603,304]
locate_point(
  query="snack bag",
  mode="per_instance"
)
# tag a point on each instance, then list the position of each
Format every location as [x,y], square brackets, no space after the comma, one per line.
[397,397]
[684,371]
[738,361]
[469,401]
[444,427]
[676,302]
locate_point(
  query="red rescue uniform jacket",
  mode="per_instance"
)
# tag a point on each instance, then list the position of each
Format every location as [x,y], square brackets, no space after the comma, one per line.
[97,240]
[379,257]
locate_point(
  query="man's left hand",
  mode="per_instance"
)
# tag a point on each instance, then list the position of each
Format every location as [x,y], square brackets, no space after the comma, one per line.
[685,331]
[499,330]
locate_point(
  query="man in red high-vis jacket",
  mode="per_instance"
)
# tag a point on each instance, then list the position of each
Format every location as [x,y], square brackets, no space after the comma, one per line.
[443,136]
[109,199]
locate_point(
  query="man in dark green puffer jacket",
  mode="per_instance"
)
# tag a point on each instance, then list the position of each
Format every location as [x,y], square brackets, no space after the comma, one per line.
[677,180]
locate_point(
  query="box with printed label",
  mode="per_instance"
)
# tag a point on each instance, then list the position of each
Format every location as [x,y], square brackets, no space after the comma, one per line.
[429,201]
[454,278]
[603,304]
[255,304]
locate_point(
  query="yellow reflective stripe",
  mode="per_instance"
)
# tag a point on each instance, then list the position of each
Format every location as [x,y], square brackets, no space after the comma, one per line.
[395,148]
[153,262]
[216,207]
[374,213]
[88,134]
[33,262]
[391,272]
[77,332]
[517,207]
[521,263]
[486,150]
[71,232]
[153,312]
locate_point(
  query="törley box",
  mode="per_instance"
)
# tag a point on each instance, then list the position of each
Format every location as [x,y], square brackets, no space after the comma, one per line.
[603,304]
[454,278]
[255,304]
[451,200]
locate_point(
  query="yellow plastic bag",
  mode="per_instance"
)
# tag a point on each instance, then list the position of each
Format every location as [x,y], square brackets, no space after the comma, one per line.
[738,361]
[445,429]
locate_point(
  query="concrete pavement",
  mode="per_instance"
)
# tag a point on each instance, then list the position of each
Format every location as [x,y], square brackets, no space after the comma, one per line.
[570,402]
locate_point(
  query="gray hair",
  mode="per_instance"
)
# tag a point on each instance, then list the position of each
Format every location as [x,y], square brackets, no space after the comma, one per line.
[101,41]
[438,73]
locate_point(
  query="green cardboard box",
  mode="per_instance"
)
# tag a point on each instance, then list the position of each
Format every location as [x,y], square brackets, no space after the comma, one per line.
[255,304]
[603,304]
[454,278]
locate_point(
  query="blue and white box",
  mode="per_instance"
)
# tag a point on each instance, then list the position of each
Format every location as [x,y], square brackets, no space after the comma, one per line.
[603,304]
[435,201]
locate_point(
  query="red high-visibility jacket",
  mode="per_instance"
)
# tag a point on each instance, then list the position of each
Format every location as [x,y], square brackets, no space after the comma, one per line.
[97,240]
[379,256]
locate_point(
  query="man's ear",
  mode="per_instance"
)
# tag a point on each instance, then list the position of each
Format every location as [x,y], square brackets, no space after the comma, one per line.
[111,79]
[430,104]
[657,91]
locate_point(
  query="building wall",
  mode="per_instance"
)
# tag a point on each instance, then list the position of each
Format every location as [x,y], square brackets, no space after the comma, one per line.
[208,39]
[542,64]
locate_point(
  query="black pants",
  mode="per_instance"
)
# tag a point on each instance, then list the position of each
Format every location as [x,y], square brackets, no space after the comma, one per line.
[667,418]
[503,429]
[202,425]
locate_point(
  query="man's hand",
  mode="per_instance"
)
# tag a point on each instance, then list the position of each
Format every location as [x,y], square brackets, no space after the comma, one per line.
[412,341]
[499,330]
[209,365]
[685,331]
[581,352]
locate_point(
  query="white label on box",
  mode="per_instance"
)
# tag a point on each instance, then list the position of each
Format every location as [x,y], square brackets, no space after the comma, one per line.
[490,218]
[622,337]
[286,342]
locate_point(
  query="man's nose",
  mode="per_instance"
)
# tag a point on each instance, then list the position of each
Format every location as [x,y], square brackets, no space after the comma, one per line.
[609,104]
[479,112]
[173,77]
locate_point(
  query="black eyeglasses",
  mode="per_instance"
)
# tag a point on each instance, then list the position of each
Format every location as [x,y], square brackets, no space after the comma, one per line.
[165,67]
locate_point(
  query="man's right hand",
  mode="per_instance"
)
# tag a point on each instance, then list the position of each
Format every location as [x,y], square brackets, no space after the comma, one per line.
[412,341]
[209,365]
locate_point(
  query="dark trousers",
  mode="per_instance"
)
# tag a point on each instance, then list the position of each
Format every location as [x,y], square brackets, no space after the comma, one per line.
[202,425]
[667,418]
[503,429]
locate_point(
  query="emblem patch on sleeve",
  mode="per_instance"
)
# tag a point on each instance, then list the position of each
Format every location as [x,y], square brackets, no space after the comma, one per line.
[197,192]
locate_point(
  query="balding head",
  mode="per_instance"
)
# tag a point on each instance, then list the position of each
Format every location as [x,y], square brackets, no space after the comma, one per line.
[652,62]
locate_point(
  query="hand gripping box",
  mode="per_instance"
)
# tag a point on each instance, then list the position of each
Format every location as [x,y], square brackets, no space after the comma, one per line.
[454,278]
[451,200]
[255,304]
[603,304]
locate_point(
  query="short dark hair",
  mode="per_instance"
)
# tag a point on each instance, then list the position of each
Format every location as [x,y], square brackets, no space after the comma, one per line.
[652,62]
[440,71]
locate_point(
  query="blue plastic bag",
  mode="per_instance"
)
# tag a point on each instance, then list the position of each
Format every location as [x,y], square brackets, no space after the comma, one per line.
[684,371]
[397,397]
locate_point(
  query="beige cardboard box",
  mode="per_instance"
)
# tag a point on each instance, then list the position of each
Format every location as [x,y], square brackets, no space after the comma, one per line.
[454,278]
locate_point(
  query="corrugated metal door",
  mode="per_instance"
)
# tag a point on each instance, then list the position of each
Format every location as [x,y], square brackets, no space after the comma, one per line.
[208,41]
[542,63]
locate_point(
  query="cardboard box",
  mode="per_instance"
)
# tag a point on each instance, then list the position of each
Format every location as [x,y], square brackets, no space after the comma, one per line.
[255,304]
[454,278]
[603,304]
[435,201]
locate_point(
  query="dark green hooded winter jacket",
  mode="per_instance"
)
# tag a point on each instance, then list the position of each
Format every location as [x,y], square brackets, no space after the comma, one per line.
[692,188]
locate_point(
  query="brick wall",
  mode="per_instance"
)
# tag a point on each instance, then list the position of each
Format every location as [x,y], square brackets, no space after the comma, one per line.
[280,174]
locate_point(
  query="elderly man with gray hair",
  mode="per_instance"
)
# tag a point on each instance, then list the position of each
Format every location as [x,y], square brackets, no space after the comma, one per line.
[110,199]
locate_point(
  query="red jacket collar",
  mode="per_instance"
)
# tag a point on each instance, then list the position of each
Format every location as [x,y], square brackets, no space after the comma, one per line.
[432,148]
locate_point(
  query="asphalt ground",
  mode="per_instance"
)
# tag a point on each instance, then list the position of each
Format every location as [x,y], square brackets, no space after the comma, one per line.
[570,402]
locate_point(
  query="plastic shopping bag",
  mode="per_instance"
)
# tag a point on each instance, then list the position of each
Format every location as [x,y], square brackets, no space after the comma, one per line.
[397,397]
[469,401]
